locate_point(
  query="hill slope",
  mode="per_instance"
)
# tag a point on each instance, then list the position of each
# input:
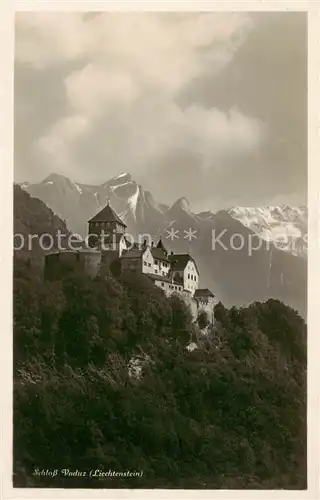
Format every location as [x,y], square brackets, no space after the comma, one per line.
[230,414]
[32,217]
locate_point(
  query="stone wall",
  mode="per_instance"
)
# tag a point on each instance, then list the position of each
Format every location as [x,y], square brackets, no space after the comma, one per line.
[58,263]
[208,308]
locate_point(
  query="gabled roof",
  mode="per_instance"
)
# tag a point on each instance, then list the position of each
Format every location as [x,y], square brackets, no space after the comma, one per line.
[180,261]
[107,215]
[158,253]
[203,292]
[134,253]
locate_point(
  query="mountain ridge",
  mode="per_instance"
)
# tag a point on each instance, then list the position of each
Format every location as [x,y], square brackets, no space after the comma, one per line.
[237,275]
[123,190]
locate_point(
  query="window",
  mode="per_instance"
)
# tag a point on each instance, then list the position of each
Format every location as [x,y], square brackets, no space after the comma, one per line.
[145,263]
[156,271]
[175,287]
[149,264]
[162,284]
[188,276]
[156,262]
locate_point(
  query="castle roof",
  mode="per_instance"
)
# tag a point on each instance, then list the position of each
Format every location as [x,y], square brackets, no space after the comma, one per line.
[180,261]
[203,292]
[134,253]
[159,253]
[107,214]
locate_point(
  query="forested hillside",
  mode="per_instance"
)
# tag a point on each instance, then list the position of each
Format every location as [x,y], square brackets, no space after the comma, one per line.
[33,219]
[103,380]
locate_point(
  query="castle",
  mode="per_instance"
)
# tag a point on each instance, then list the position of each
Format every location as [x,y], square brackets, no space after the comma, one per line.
[109,243]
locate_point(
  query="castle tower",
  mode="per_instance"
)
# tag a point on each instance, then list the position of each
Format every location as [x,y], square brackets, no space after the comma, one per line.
[106,230]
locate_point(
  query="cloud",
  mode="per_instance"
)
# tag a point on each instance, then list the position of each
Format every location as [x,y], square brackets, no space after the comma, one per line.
[170,48]
[123,96]
[136,137]
[95,88]
[62,137]
[43,39]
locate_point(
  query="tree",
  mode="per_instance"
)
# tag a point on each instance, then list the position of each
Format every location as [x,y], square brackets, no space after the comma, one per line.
[203,319]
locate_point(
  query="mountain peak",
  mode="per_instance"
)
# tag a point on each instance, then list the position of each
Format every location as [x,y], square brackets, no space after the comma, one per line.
[55,178]
[181,204]
[122,178]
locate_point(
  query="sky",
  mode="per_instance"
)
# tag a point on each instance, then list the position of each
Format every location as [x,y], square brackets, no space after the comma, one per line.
[207,106]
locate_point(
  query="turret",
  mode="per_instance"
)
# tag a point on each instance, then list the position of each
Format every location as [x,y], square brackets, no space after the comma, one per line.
[162,247]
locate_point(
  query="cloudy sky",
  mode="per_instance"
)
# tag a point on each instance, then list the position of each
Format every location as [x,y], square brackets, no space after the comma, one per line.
[210,106]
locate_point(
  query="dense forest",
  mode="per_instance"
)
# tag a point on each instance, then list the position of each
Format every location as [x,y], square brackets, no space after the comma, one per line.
[103,380]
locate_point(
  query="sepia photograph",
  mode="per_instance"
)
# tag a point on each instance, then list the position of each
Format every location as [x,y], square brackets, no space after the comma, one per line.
[160,250]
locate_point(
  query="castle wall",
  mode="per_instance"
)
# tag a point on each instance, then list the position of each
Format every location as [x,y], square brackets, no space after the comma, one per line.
[207,306]
[107,258]
[161,267]
[58,263]
[194,305]
[131,264]
[147,262]
[168,288]
[190,277]
[92,261]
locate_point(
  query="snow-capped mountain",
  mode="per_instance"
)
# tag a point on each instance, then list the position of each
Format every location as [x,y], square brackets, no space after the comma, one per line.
[77,203]
[236,275]
[285,226]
